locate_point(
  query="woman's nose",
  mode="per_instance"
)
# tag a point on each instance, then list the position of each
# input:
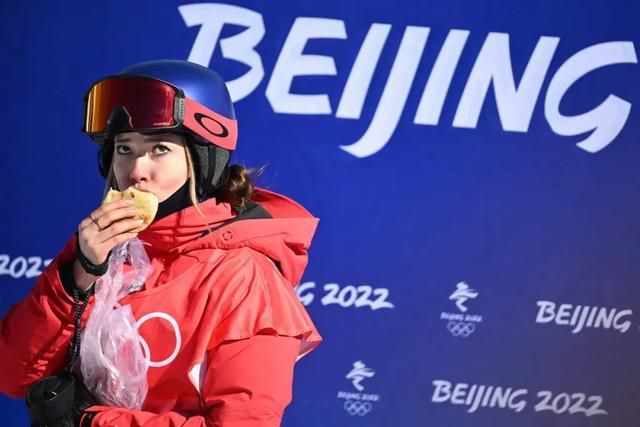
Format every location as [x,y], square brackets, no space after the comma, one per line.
[140,169]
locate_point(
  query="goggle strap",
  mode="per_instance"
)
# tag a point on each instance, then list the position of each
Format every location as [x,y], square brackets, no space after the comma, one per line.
[210,125]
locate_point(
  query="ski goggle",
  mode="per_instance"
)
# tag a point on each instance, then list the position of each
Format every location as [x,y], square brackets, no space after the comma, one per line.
[143,104]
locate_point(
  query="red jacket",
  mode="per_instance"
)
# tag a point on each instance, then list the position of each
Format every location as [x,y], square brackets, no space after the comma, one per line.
[219,313]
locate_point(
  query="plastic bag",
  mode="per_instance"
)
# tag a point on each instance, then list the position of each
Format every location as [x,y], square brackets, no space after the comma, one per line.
[112,362]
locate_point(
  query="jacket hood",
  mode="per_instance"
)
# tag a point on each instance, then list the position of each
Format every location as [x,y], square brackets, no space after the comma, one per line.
[271,224]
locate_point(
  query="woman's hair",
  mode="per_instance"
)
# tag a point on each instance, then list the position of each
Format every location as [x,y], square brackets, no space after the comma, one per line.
[235,186]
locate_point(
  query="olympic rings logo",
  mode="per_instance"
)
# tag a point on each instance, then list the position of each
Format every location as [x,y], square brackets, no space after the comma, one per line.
[355,407]
[461,329]
[145,346]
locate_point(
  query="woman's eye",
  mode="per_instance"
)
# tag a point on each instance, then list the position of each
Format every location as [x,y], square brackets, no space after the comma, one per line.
[161,149]
[122,149]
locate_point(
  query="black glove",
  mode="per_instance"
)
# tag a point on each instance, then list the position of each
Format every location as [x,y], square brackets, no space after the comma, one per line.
[83,399]
[58,401]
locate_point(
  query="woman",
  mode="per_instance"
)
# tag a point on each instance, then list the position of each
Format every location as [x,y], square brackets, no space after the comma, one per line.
[221,322]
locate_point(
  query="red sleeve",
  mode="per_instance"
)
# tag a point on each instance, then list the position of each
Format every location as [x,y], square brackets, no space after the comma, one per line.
[35,333]
[247,384]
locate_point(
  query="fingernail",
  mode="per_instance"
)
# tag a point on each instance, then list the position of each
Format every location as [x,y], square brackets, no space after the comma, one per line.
[128,202]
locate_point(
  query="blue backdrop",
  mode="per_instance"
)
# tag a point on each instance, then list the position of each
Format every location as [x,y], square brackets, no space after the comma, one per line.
[473,163]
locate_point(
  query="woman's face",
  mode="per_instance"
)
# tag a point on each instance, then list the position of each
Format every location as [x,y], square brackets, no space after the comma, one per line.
[154,163]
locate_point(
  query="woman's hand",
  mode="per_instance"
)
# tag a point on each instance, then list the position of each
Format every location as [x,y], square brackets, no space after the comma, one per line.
[105,228]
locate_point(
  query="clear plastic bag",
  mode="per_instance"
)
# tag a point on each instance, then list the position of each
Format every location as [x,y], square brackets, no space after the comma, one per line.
[112,362]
